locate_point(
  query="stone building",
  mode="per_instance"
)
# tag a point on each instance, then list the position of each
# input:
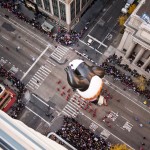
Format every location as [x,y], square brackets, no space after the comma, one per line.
[134,46]
[65,12]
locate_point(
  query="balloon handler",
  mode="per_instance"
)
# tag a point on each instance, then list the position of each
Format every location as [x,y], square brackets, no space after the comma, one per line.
[86,80]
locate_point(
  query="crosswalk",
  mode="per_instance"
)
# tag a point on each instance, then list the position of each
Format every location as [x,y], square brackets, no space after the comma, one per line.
[40,75]
[72,108]
[59,53]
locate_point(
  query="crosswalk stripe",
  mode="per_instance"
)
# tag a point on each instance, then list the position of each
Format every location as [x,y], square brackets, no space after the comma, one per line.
[60,52]
[29,83]
[70,108]
[30,86]
[51,62]
[63,48]
[36,81]
[56,56]
[36,75]
[42,72]
[33,82]
[46,72]
[69,113]
[46,69]
[74,104]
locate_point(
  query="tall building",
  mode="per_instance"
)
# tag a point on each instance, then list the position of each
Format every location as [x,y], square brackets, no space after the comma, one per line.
[15,135]
[134,46]
[65,12]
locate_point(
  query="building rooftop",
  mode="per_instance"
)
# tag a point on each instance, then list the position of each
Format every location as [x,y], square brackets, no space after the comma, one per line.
[15,135]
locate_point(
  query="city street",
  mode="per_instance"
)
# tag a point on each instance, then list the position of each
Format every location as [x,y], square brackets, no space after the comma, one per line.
[106,28]
[39,63]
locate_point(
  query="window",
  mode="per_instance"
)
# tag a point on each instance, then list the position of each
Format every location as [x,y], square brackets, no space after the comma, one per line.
[39,3]
[84,3]
[62,11]
[55,7]
[72,10]
[47,5]
[77,6]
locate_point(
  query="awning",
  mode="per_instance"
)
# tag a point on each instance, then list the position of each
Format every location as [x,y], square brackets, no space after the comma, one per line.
[47,27]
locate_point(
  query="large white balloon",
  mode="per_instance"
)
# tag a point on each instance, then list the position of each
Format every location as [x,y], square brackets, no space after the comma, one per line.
[87,80]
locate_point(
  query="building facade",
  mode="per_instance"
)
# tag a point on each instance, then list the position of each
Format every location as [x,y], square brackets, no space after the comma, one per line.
[134,46]
[65,12]
[15,135]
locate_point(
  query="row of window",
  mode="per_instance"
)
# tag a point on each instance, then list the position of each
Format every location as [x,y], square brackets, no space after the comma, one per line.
[75,7]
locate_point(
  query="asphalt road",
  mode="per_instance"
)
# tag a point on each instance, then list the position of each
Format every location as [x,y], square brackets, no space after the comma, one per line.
[42,81]
[105,29]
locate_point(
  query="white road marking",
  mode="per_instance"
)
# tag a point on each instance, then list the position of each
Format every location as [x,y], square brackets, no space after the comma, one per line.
[113,116]
[108,131]
[125,118]
[40,100]
[105,134]
[37,115]
[90,47]
[28,64]
[109,19]
[51,63]
[93,126]
[42,72]
[100,18]
[59,53]
[29,85]
[5,38]
[33,46]
[44,68]
[37,75]
[34,82]
[128,126]
[35,62]
[129,109]
[97,41]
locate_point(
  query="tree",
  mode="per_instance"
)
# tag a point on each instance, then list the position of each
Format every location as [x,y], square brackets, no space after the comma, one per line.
[140,82]
[122,20]
[119,147]
[131,8]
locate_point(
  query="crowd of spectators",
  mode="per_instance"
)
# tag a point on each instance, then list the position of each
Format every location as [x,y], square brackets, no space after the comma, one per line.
[111,69]
[61,35]
[17,84]
[80,137]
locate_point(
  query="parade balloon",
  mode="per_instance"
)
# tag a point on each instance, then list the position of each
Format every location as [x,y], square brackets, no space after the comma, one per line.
[87,80]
